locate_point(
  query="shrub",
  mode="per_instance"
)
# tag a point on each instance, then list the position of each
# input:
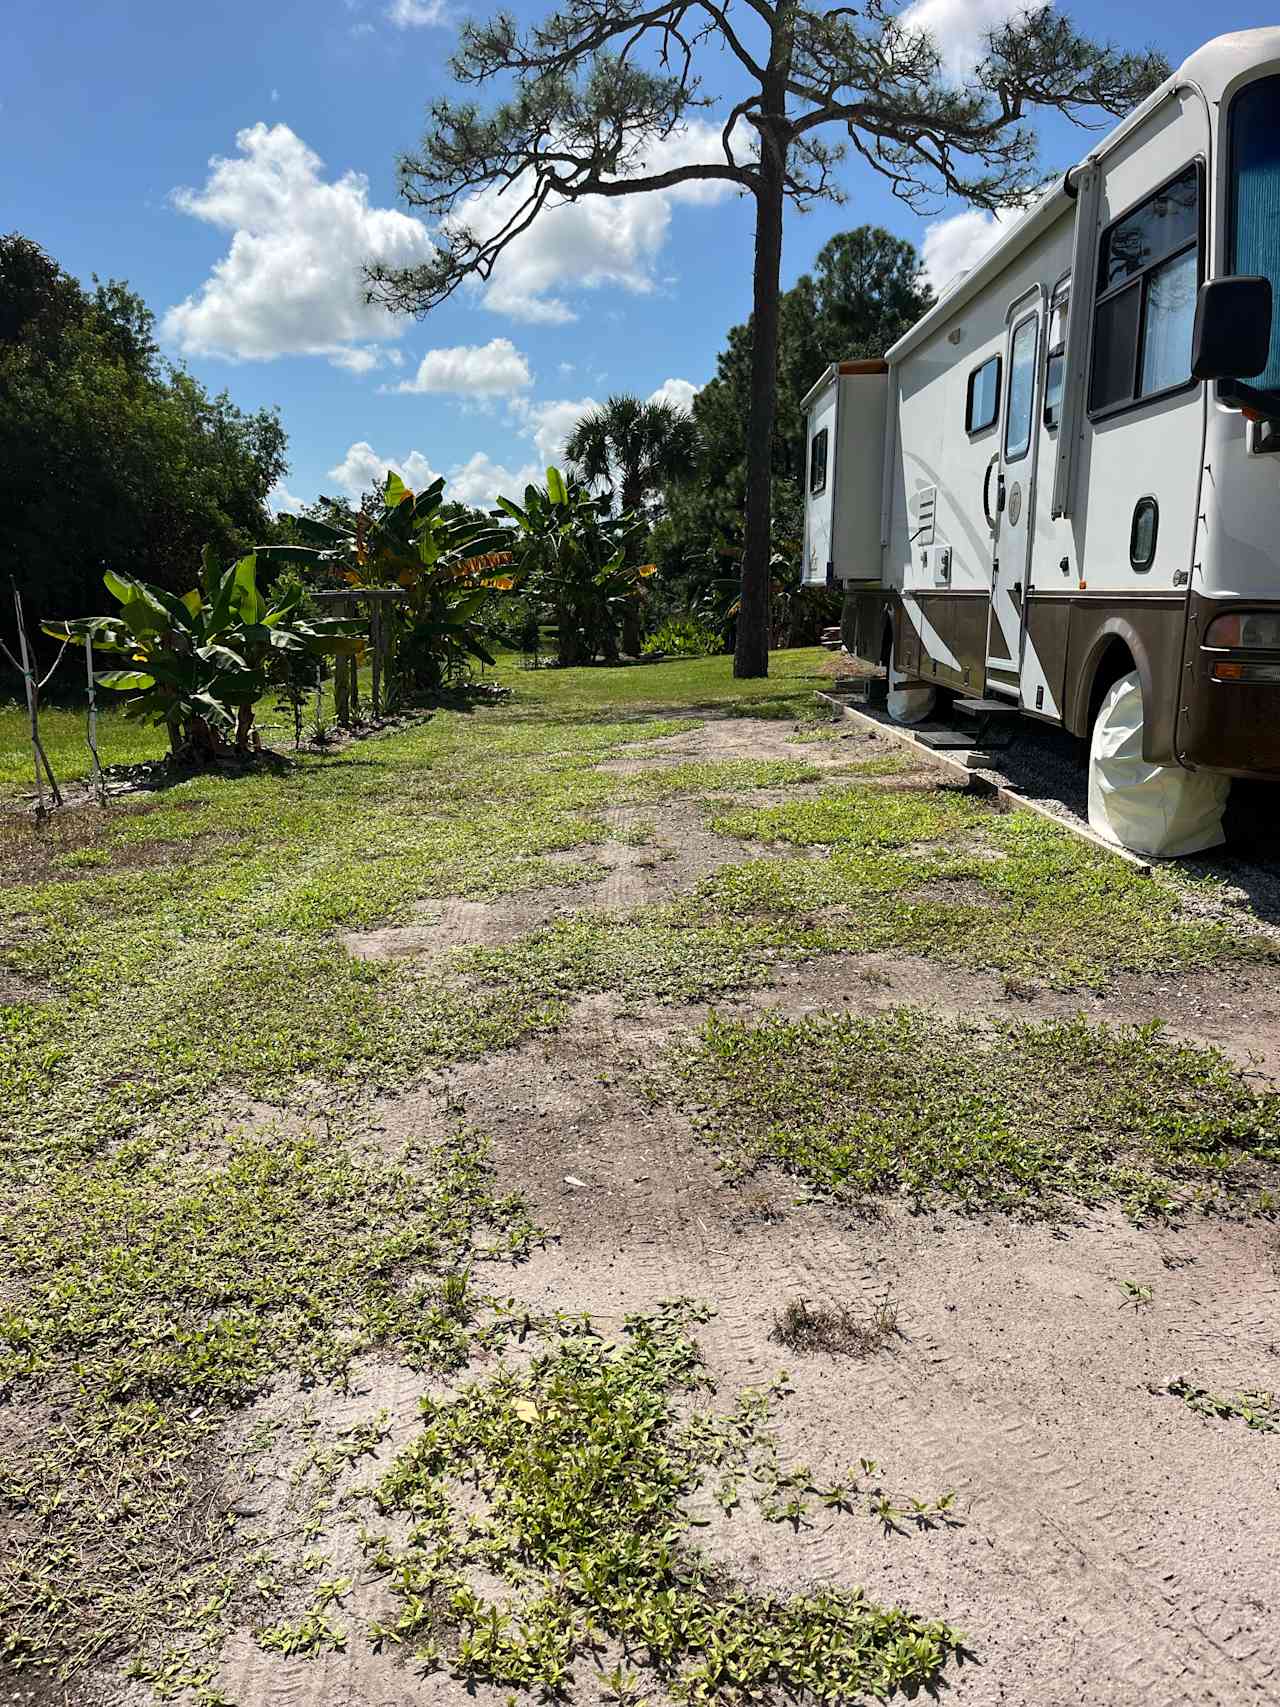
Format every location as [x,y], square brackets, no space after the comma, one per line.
[684,637]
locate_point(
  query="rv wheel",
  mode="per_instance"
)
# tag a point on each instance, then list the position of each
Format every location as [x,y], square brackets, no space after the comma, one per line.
[910,701]
[1162,810]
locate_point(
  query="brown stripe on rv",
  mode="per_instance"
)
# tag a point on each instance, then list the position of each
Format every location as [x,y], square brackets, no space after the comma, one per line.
[873,366]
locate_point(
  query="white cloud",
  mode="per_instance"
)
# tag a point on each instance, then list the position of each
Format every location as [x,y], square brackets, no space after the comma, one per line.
[362,467]
[549,424]
[480,480]
[413,14]
[290,283]
[477,481]
[280,498]
[954,246]
[681,392]
[495,369]
[275,96]
[592,242]
[960,28]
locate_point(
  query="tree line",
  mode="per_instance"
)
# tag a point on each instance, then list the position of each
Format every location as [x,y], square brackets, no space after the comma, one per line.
[110,457]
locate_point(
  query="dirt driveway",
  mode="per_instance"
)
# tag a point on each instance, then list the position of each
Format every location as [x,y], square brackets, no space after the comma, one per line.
[1040,1426]
[1110,1544]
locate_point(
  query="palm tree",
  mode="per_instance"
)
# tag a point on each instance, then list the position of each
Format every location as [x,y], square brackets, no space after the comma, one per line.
[632,447]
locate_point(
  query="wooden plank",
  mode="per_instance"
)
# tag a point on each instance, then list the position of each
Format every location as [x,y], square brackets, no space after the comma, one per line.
[1007,796]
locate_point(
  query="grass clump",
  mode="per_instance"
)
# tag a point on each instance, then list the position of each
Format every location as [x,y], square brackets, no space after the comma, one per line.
[149,1294]
[582,1467]
[1028,1118]
[802,1326]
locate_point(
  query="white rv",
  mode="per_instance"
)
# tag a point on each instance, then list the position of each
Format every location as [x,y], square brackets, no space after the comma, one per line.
[1068,472]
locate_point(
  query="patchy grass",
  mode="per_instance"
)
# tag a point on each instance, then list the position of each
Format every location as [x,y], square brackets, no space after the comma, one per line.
[801,1326]
[150,1293]
[177,949]
[939,872]
[583,1468]
[1030,1118]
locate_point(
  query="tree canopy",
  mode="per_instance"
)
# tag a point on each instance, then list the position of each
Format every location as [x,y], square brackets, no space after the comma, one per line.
[109,458]
[633,447]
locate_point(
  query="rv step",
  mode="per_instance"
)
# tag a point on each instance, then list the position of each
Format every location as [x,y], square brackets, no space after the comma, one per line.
[943,739]
[988,708]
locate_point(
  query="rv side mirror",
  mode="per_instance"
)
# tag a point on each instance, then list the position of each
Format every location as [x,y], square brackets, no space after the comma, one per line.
[1232,336]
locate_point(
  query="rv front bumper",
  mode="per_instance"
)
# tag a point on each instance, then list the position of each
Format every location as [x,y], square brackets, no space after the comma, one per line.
[1229,718]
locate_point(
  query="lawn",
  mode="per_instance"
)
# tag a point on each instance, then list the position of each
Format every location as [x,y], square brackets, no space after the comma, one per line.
[202,1220]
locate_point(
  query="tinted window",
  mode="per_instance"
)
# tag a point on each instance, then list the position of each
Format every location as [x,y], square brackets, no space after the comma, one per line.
[818,461]
[1148,275]
[1022,391]
[1115,343]
[984,397]
[1160,226]
[1255,197]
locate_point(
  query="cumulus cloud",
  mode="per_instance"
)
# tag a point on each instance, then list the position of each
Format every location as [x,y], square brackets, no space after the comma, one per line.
[290,282]
[414,14]
[280,499]
[592,242]
[960,28]
[480,481]
[549,424]
[363,467]
[495,369]
[953,247]
[477,481]
[680,392]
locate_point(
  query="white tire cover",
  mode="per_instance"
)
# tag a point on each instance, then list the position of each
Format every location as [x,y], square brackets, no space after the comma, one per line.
[1152,809]
[909,704]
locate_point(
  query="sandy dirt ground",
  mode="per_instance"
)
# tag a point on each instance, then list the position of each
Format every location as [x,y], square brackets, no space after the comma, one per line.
[1115,1548]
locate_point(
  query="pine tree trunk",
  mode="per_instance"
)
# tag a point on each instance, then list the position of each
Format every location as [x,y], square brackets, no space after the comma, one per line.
[751,656]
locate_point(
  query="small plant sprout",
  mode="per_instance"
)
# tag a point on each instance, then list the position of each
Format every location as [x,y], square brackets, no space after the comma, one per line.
[1136,1293]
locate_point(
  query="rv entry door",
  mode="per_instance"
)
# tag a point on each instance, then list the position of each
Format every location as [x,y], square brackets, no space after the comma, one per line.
[1009,495]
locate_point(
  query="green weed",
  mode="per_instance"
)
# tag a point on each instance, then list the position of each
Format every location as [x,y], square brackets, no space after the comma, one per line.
[583,1468]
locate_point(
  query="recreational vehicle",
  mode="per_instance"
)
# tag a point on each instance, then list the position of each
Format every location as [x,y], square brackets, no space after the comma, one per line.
[1066,476]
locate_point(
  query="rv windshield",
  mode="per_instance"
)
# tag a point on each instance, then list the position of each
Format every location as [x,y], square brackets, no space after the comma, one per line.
[1255,197]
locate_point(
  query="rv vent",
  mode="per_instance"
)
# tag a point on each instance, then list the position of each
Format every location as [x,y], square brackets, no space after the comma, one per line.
[926,502]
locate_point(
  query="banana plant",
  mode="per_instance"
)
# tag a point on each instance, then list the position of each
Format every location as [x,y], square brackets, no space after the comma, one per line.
[573,554]
[445,562]
[199,663]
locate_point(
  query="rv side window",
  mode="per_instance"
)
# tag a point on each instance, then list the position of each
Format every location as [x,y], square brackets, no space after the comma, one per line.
[818,462]
[1022,390]
[983,403]
[1148,276]
[1055,360]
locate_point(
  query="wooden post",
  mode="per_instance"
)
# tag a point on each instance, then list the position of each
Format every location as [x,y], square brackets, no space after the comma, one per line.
[350,608]
[99,786]
[375,649]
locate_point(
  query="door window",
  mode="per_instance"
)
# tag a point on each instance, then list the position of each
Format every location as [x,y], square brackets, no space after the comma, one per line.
[1022,390]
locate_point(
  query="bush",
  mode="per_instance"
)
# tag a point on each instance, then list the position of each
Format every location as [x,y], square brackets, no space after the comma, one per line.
[684,637]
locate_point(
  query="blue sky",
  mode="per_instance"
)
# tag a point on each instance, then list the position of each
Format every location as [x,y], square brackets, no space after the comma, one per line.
[237,162]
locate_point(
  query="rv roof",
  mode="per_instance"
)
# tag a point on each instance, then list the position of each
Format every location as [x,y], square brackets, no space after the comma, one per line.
[1212,69]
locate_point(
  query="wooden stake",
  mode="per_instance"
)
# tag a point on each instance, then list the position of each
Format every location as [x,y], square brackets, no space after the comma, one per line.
[99,786]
